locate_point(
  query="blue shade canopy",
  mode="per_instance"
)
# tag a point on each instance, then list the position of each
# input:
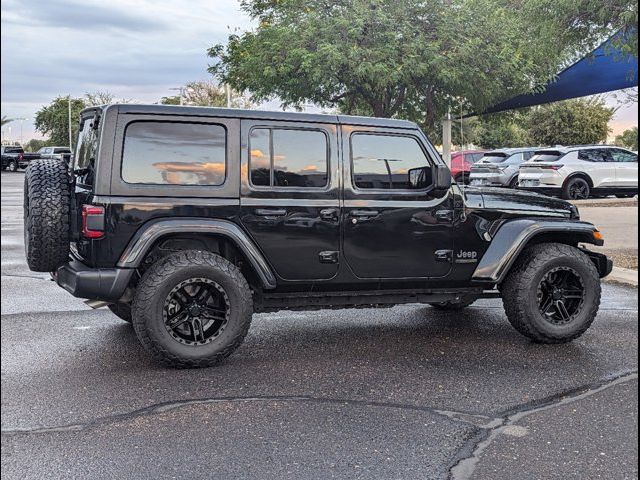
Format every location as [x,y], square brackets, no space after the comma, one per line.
[604,70]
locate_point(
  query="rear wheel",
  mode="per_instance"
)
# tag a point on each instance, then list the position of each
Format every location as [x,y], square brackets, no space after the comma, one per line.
[552,294]
[192,309]
[514,183]
[576,189]
[13,166]
[47,199]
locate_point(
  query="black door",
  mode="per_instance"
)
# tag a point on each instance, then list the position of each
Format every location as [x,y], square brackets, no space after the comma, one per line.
[289,203]
[395,227]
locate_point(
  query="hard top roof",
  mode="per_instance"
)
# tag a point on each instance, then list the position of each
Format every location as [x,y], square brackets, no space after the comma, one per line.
[132,108]
[573,148]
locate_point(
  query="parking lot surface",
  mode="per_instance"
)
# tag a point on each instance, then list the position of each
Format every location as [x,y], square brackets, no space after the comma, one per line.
[406,392]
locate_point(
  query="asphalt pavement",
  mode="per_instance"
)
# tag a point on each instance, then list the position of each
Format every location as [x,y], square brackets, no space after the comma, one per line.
[399,393]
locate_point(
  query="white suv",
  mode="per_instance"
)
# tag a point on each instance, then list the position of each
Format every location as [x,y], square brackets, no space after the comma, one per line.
[580,172]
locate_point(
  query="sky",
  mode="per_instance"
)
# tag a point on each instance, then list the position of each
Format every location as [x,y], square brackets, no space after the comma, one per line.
[135,49]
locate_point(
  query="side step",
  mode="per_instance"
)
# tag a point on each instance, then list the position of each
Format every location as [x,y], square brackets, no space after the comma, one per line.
[271,302]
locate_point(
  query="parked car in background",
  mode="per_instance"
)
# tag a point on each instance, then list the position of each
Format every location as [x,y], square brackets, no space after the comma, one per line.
[461,163]
[59,153]
[14,157]
[500,168]
[580,172]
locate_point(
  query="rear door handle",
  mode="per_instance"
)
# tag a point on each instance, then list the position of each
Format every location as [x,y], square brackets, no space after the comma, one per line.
[444,215]
[329,214]
[364,213]
[266,212]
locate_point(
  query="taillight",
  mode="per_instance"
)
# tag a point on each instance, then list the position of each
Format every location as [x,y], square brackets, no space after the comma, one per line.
[551,167]
[92,221]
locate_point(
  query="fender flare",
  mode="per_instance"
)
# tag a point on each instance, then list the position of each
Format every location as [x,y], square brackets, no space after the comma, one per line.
[152,231]
[512,238]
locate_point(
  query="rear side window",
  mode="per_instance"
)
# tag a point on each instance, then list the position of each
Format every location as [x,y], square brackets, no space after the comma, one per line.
[622,156]
[389,162]
[174,153]
[594,155]
[527,155]
[288,158]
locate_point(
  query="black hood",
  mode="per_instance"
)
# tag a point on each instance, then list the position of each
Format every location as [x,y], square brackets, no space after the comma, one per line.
[521,201]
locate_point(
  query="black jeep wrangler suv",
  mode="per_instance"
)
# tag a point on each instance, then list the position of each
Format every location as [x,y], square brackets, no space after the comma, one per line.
[185,221]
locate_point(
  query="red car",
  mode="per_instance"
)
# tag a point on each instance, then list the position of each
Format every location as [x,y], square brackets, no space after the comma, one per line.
[461,164]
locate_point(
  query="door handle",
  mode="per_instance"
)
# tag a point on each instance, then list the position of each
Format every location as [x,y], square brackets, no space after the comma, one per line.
[364,213]
[444,215]
[265,212]
[329,214]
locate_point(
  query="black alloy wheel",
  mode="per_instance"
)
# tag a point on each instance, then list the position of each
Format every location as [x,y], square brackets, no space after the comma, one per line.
[578,189]
[561,295]
[196,311]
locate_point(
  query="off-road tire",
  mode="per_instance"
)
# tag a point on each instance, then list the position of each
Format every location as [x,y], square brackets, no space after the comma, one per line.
[12,166]
[519,292]
[122,311]
[152,291]
[47,199]
[453,306]
[566,189]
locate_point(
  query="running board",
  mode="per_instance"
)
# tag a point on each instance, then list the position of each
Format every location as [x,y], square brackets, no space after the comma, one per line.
[270,302]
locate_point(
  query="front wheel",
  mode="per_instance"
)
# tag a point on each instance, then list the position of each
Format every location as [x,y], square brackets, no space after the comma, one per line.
[552,294]
[192,309]
[13,166]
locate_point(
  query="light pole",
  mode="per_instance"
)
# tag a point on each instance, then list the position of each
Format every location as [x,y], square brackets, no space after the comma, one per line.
[181,90]
[21,123]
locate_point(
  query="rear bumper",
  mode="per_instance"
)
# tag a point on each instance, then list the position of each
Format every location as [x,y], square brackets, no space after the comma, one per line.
[549,191]
[107,284]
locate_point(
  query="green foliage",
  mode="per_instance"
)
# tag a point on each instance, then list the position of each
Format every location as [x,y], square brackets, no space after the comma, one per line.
[53,120]
[36,144]
[207,94]
[628,139]
[503,130]
[573,122]
[403,58]
[5,120]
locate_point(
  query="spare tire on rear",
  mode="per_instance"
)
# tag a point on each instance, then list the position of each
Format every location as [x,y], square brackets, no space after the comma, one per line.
[47,200]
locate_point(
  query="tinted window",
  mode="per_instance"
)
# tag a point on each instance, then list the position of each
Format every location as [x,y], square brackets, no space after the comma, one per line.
[286,158]
[528,155]
[174,153]
[494,157]
[546,157]
[389,162]
[61,150]
[623,156]
[594,155]
[516,158]
[87,146]
[13,150]
[476,156]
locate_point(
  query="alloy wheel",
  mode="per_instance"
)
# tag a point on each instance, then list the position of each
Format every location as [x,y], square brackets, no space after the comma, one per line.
[561,295]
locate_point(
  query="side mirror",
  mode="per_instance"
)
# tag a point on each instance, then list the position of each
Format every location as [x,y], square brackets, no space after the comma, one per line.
[443,178]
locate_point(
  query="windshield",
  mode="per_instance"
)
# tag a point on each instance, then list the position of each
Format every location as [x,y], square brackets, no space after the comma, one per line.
[546,157]
[494,157]
[87,147]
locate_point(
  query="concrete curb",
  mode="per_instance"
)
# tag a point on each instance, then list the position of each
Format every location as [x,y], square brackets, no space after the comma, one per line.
[606,202]
[623,276]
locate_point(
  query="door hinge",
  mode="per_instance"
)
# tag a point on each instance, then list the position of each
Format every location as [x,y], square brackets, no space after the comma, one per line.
[328,257]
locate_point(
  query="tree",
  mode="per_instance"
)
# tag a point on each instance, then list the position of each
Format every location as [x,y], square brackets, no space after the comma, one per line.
[6,120]
[35,144]
[53,120]
[628,139]
[503,130]
[572,122]
[207,94]
[413,58]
